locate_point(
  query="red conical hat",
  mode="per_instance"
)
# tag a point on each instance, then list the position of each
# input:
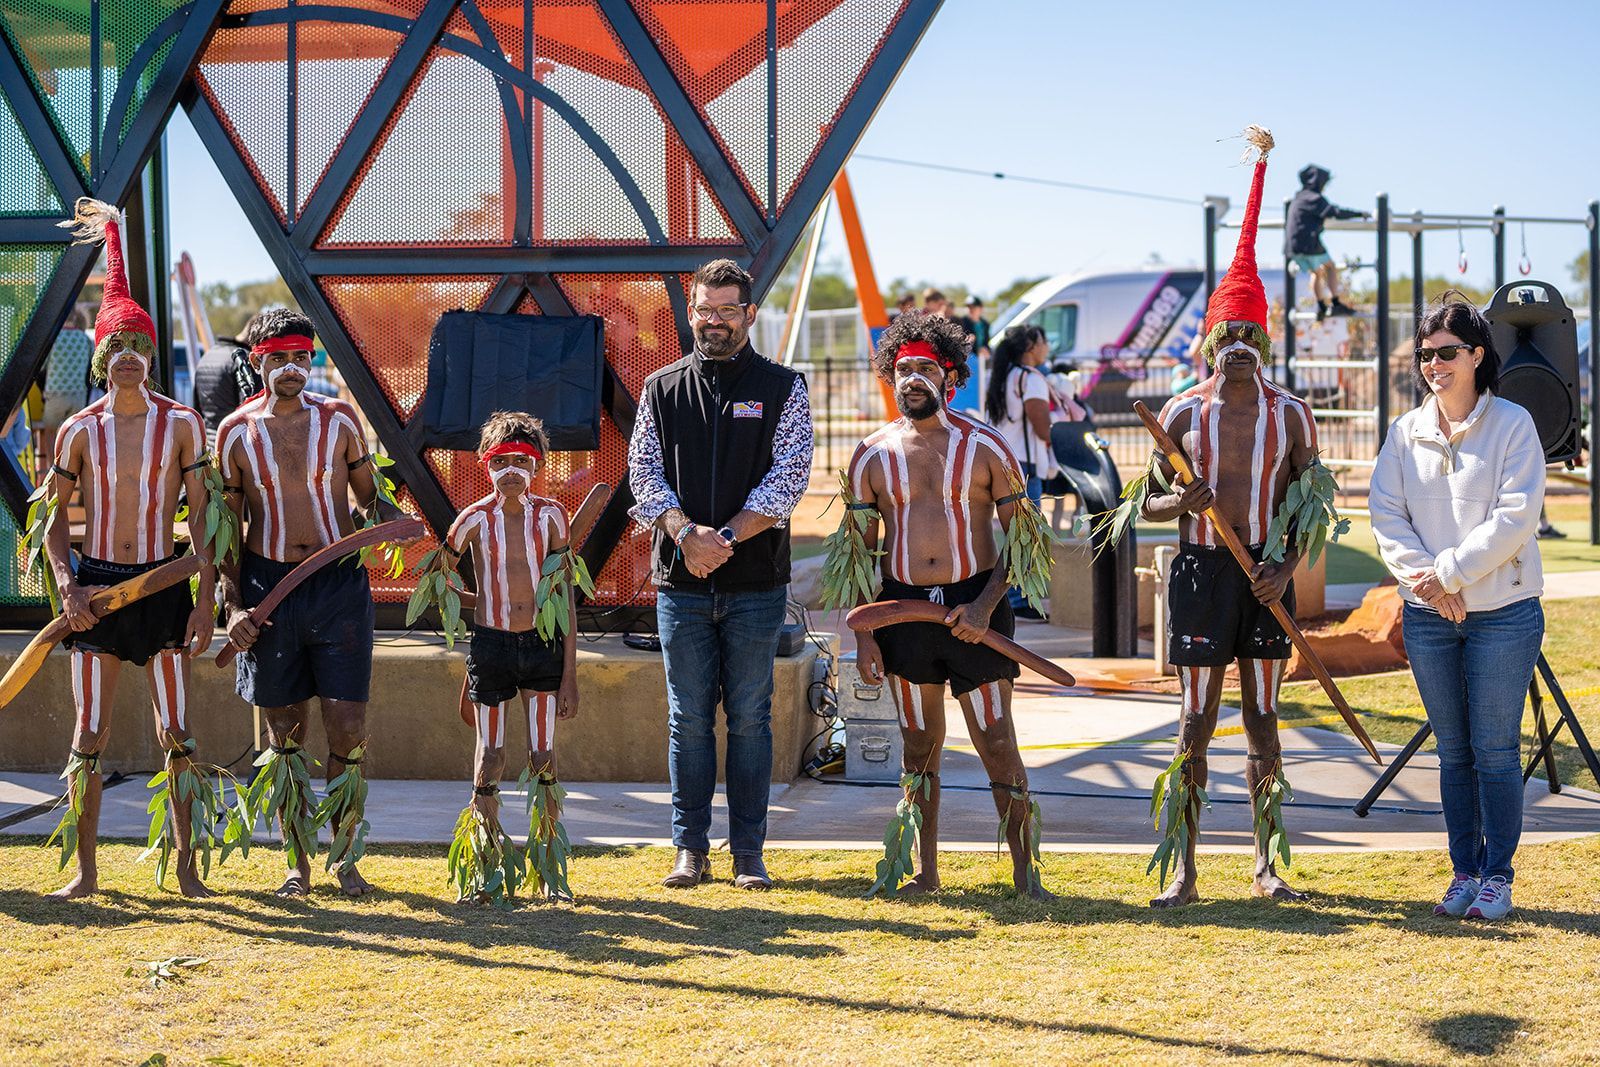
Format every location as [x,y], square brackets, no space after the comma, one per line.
[95,221]
[1239,296]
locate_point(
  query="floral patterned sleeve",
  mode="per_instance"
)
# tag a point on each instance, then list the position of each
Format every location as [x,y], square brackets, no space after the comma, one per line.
[779,493]
[646,474]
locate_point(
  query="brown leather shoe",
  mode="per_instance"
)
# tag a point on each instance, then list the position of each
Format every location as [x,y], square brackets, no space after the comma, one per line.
[750,873]
[691,869]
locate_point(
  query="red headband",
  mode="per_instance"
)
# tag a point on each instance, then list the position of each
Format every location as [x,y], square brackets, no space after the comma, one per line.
[922,350]
[293,342]
[512,448]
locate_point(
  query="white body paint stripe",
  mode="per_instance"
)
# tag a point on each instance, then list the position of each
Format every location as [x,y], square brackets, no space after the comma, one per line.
[542,721]
[909,697]
[491,725]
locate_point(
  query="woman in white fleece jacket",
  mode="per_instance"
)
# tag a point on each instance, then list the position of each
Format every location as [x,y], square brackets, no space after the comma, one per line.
[1455,501]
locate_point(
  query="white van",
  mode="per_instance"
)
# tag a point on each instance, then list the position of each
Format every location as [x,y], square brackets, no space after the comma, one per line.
[1125,330]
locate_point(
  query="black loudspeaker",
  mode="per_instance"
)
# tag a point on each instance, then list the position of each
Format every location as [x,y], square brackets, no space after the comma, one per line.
[1537,338]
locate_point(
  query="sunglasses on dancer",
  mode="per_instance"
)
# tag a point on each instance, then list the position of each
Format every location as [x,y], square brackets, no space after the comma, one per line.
[1444,353]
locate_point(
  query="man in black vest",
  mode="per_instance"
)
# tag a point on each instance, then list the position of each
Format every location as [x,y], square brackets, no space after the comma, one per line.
[720,456]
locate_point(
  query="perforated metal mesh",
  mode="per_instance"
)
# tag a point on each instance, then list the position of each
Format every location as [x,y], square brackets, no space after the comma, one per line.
[334,86]
[819,70]
[244,74]
[53,41]
[25,270]
[26,190]
[125,28]
[390,320]
[16,588]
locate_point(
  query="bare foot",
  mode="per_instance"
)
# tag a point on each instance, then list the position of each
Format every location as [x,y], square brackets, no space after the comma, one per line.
[1270,885]
[922,885]
[189,883]
[351,882]
[1181,892]
[556,896]
[1037,892]
[296,885]
[85,884]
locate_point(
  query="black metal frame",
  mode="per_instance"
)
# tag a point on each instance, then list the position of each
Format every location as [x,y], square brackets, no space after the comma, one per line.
[116,165]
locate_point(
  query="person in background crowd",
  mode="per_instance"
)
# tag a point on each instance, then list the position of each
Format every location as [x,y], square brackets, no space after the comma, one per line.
[978,326]
[906,303]
[1455,500]
[1017,403]
[720,457]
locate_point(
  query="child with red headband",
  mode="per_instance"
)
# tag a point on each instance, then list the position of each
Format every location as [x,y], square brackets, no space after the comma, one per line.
[511,533]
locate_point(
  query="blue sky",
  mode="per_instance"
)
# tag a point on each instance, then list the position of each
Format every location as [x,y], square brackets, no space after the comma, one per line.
[1447,107]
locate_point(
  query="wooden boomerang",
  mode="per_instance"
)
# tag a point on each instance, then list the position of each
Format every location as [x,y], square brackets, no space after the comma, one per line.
[366,537]
[583,521]
[1279,612]
[102,602]
[882,613]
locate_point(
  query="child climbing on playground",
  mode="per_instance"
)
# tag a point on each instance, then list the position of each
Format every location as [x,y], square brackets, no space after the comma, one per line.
[1309,212]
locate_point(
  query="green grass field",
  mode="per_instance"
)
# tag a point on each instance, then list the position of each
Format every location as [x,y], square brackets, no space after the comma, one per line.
[810,973]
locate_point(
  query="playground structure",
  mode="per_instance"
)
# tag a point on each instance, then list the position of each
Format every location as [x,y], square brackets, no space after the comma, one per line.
[1356,393]
[402,158]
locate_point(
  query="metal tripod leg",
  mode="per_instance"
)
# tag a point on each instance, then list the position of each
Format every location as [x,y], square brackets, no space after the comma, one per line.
[1543,731]
[1395,765]
[1579,739]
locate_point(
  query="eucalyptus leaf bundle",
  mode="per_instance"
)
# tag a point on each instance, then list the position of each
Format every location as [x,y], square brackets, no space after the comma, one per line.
[222,532]
[1176,802]
[343,811]
[1032,831]
[1025,548]
[483,861]
[900,839]
[1267,804]
[282,791]
[1108,528]
[42,505]
[437,588]
[562,576]
[1308,514]
[549,849]
[76,776]
[191,783]
[849,568]
[392,555]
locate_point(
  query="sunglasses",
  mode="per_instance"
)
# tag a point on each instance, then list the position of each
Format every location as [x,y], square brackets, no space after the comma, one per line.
[1444,353]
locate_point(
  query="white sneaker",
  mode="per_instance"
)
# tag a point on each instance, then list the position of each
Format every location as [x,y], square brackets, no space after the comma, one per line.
[1458,898]
[1494,900]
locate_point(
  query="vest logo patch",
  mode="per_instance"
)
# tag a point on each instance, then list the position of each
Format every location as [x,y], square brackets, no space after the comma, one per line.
[747,409]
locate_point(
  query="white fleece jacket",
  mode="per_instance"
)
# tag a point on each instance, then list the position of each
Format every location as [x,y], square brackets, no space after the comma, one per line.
[1467,506]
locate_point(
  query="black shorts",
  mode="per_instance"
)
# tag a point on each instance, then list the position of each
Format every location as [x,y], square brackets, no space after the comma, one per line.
[319,643]
[137,632]
[500,664]
[928,653]
[1212,616]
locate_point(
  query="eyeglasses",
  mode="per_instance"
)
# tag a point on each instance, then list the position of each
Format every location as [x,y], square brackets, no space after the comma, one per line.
[723,313]
[1444,353]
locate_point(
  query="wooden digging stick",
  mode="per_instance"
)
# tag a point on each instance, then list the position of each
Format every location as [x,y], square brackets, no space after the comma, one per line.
[1186,475]
[882,613]
[102,602]
[583,521]
[366,537]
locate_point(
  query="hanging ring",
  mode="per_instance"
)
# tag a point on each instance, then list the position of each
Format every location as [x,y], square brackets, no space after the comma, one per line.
[1461,261]
[1525,265]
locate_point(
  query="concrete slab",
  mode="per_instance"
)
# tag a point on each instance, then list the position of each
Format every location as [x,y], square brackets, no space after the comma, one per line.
[1091,761]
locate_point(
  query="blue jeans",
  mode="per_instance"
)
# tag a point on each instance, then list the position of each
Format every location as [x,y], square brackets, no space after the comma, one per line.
[1035,494]
[720,646]
[1473,677]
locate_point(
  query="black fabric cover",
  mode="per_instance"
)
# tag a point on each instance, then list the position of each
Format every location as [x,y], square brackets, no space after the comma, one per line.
[547,365]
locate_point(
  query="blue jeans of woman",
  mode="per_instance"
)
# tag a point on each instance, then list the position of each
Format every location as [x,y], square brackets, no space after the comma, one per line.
[1035,494]
[1473,677]
[720,647]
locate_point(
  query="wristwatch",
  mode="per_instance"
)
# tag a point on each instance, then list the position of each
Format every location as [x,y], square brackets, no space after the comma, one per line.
[683,531]
[727,534]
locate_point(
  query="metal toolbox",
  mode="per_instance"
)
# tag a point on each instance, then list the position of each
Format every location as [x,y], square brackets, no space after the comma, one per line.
[872,745]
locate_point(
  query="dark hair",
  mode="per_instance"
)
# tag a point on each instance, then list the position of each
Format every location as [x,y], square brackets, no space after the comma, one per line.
[1455,314]
[930,294]
[274,322]
[946,336]
[507,426]
[1007,353]
[720,273]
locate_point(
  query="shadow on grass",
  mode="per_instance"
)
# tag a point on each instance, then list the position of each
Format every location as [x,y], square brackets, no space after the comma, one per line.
[1475,1033]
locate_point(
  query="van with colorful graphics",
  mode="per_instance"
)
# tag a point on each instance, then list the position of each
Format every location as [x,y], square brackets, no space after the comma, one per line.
[1126,331]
